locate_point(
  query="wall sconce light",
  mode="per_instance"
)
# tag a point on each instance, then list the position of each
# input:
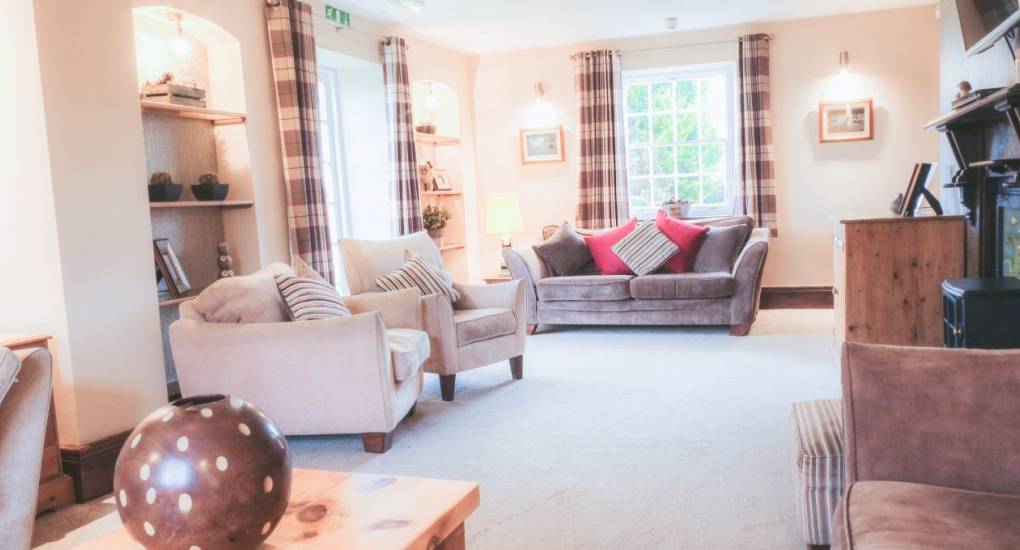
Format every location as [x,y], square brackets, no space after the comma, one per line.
[539,90]
[844,62]
[181,46]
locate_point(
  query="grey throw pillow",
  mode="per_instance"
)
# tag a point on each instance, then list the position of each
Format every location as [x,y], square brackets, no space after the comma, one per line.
[720,249]
[565,253]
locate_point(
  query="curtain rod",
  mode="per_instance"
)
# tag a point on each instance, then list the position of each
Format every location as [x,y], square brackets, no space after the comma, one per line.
[686,46]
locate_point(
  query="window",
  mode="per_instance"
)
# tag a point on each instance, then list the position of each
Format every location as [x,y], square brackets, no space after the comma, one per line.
[680,138]
[331,165]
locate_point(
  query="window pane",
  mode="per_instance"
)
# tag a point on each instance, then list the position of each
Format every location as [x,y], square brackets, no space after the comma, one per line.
[637,129]
[686,126]
[690,189]
[663,190]
[662,129]
[687,159]
[638,162]
[713,108]
[663,161]
[325,143]
[686,94]
[715,190]
[662,96]
[711,157]
[640,193]
[637,98]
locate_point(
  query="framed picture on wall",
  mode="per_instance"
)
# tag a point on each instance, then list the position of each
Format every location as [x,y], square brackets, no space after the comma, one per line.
[846,121]
[170,270]
[542,145]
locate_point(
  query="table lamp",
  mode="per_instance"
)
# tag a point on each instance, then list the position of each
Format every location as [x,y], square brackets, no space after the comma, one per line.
[503,217]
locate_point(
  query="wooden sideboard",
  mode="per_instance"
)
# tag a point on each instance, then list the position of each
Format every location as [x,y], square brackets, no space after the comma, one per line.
[888,276]
[56,489]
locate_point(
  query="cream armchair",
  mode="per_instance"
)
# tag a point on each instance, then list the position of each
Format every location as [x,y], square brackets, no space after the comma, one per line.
[487,325]
[350,375]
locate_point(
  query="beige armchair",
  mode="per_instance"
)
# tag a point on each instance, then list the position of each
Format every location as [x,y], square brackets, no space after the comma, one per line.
[487,325]
[24,409]
[350,375]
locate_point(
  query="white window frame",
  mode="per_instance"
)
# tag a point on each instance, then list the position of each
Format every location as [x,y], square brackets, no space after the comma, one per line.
[731,173]
[329,78]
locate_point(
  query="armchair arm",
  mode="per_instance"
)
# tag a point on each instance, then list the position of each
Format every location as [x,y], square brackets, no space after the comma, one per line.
[747,274]
[929,415]
[482,296]
[399,309]
[437,321]
[311,377]
[525,266]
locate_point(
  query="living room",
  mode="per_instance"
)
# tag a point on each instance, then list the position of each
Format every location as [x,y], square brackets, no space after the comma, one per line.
[448,274]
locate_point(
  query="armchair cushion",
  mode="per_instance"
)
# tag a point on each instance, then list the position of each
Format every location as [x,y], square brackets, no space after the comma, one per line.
[719,250]
[565,252]
[245,299]
[890,514]
[475,325]
[310,299]
[408,350]
[418,273]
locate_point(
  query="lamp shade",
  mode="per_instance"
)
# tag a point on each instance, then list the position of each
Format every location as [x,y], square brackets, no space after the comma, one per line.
[503,214]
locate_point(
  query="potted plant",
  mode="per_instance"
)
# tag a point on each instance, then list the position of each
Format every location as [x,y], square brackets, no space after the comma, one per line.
[209,188]
[434,219]
[677,208]
[162,188]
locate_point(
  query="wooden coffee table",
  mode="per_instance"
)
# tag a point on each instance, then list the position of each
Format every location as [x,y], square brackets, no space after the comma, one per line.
[353,511]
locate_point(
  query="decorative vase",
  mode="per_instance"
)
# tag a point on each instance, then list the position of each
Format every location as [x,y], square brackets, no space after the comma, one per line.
[437,236]
[211,471]
[165,193]
[210,191]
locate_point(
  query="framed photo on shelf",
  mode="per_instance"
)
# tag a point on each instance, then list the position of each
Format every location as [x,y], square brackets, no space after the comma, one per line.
[846,121]
[542,145]
[441,180]
[170,270]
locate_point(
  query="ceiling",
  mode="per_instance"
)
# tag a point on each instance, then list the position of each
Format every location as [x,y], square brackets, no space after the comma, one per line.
[481,26]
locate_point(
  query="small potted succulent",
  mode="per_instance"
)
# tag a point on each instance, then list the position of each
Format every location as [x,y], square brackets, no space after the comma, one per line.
[163,189]
[209,188]
[434,219]
[677,208]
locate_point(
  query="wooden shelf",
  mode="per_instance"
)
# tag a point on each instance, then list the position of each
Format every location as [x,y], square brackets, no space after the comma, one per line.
[441,193]
[186,111]
[446,247]
[175,301]
[436,140]
[242,203]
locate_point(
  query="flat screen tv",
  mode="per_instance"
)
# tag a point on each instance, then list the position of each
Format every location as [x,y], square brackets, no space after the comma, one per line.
[985,21]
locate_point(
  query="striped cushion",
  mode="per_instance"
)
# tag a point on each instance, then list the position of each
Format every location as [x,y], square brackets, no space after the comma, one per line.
[818,465]
[645,249]
[309,299]
[417,273]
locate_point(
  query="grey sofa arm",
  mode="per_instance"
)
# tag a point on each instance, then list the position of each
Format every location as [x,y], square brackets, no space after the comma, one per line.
[525,266]
[747,273]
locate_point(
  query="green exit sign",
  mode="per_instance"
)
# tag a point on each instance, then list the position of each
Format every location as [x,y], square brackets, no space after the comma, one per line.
[338,16]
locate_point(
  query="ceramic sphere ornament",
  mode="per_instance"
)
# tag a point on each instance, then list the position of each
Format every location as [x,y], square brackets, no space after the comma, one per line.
[205,472]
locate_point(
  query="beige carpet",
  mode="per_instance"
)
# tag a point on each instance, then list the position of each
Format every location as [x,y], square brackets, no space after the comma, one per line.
[616,438]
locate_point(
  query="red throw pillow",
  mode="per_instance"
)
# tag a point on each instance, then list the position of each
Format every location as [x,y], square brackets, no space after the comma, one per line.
[601,247]
[687,236]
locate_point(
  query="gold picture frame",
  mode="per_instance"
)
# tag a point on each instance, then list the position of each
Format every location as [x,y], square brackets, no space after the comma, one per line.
[845,121]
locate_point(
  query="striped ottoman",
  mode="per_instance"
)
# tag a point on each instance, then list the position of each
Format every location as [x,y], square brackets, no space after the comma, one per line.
[818,465]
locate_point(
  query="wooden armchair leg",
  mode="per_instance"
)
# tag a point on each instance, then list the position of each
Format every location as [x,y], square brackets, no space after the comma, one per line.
[377,442]
[740,330]
[532,329]
[517,367]
[447,382]
[410,412]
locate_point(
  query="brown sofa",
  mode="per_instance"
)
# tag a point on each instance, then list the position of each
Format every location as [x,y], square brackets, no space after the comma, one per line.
[932,443]
[699,298]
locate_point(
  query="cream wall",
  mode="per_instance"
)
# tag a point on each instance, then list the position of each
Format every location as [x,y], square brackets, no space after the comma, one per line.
[894,56]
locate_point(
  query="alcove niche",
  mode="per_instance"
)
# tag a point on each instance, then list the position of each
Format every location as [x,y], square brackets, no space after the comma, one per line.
[187,141]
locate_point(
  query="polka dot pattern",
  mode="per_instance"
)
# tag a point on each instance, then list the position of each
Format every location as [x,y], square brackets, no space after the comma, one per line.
[211,455]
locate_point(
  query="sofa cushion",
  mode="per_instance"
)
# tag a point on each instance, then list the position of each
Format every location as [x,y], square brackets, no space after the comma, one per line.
[893,514]
[682,286]
[408,350]
[645,249]
[720,249]
[475,325]
[245,299]
[601,247]
[418,273]
[565,252]
[688,238]
[310,299]
[599,288]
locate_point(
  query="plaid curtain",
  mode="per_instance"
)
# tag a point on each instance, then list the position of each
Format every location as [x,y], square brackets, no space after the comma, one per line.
[292,45]
[403,157]
[757,184]
[602,181]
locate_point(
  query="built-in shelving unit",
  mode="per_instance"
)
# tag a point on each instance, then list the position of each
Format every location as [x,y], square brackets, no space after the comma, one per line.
[186,111]
[170,302]
[451,247]
[441,193]
[240,203]
[433,139]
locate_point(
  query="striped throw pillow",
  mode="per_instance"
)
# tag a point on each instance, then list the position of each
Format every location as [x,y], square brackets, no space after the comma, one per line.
[309,299]
[645,249]
[417,273]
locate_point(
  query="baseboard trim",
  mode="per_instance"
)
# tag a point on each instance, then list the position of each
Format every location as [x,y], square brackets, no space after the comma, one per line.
[91,465]
[796,297]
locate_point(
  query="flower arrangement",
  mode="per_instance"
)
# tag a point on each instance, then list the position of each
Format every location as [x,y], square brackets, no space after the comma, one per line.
[434,218]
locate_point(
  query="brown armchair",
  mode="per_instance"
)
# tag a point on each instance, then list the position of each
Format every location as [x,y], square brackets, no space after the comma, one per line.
[932,442]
